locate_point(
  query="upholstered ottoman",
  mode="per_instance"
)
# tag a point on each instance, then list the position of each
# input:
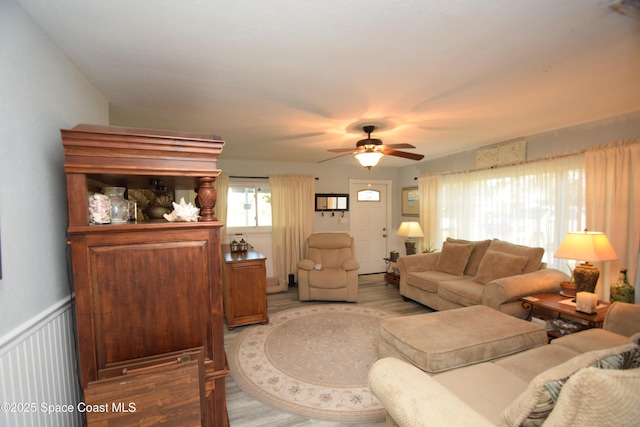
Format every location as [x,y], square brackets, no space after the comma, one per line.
[438,342]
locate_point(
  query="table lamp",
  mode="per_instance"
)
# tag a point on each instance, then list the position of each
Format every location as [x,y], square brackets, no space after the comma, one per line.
[588,246]
[410,229]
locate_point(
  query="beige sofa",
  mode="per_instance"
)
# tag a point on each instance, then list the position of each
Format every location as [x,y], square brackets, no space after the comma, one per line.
[494,273]
[584,379]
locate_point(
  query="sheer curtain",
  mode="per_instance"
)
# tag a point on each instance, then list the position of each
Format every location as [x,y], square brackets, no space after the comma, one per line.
[221,184]
[613,206]
[534,203]
[429,189]
[292,202]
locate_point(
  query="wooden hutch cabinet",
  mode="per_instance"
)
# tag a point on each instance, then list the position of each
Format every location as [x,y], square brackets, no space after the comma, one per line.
[150,287]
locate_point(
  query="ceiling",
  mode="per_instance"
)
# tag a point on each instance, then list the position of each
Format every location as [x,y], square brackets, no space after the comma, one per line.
[287,80]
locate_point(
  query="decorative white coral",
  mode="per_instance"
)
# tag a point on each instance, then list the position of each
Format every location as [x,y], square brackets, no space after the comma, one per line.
[183,212]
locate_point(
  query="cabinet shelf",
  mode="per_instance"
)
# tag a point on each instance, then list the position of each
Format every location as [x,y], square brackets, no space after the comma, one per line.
[151,224]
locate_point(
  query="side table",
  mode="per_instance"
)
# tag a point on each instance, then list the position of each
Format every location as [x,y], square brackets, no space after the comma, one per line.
[244,281]
[390,275]
[563,306]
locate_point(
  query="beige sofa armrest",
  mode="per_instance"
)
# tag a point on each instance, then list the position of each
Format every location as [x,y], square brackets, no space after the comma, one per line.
[509,289]
[623,318]
[412,398]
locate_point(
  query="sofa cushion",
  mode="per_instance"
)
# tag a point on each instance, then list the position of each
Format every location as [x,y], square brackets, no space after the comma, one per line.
[465,292]
[590,340]
[528,364]
[479,248]
[428,280]
[485,387]
[496,265]
[536,403]
[534,255]
[328,278]
[329,240]
[454,257]
[332,258]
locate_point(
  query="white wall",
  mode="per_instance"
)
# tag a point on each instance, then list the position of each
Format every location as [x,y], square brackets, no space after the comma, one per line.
[540,145]
[331,179]
[560,141]
[42,92]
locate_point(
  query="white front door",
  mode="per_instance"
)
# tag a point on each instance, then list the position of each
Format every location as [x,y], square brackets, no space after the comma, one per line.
[370,212]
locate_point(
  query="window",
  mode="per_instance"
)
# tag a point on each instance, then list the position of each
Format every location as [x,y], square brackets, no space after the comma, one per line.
[249,204]
[533,204]
[368,195]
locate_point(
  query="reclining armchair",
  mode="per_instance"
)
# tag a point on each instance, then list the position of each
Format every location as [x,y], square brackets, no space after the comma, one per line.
[329,271]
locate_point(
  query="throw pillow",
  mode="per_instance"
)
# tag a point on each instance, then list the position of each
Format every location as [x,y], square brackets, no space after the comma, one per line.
[534,255]
[479,248]
[453,258]
[635,338]
[533,406]
[598,397]
[496,265]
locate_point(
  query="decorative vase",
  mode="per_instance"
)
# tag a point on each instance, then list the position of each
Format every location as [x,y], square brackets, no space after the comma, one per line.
[157,212]
[621,290]
[119,210]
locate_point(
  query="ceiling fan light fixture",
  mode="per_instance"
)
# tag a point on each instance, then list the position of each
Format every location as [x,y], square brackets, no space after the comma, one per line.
[369,159]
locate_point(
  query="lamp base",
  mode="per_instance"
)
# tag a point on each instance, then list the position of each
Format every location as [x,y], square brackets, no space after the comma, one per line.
[586,276]
[410,246]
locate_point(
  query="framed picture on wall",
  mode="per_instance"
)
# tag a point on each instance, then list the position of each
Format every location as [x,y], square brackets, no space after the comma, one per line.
[410,201]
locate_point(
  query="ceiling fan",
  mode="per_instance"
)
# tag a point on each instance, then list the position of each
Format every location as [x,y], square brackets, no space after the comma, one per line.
[370,150]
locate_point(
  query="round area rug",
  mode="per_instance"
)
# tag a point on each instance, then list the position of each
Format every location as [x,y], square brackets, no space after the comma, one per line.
[312,361]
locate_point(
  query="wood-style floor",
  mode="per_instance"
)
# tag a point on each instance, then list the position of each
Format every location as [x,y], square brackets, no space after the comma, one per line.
[245,411]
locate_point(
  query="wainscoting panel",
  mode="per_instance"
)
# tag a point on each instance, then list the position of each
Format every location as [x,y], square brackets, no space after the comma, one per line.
[38,371]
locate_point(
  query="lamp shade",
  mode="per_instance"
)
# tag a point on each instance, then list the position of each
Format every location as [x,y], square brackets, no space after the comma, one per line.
[590,246]
[410,229]
[368,159]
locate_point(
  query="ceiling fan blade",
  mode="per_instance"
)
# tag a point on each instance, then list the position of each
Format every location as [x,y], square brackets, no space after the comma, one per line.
[404,154]
[342,150]
[341,155]
[399,146]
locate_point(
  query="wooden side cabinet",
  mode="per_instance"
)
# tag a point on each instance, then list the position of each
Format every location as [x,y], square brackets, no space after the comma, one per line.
[245,287]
